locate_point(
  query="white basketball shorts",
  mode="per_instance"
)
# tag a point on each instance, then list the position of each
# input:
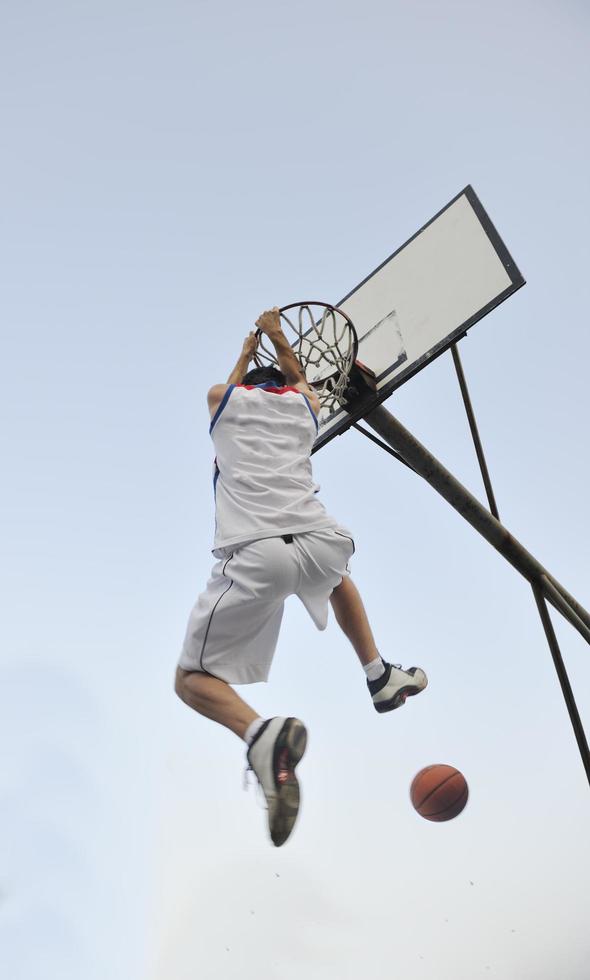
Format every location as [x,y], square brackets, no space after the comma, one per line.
[234,626]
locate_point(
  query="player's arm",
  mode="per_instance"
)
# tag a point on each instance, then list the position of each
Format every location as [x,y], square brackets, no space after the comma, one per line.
[311,395]
[248,351]
[215,397]
[216,393]
[270,324]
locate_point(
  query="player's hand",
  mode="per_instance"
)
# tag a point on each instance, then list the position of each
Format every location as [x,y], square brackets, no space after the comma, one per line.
[250,345]
[270,322]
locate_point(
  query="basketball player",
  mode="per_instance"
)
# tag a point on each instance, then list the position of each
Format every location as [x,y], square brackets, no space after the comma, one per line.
[273,538]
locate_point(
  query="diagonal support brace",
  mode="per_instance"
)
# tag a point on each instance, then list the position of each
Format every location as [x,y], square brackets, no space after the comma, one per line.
[433,471]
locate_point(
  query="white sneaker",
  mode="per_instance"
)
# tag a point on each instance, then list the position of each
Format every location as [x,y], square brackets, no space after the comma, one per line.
[273,755]
[393,687]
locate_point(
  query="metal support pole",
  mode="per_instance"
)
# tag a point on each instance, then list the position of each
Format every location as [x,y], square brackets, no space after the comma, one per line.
[563,679]
[427,466]
[474,432]
[579,610]
[382,445]
[548,590]
[557,600]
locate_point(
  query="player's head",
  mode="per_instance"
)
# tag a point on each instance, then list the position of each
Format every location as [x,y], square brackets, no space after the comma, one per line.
[261,375]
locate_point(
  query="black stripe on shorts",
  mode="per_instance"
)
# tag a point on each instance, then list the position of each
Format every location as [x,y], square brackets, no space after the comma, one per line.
[231,582]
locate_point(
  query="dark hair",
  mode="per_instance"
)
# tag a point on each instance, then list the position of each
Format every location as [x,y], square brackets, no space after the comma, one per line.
[259,375]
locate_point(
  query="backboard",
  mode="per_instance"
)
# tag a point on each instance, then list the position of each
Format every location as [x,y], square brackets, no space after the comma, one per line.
[423,298]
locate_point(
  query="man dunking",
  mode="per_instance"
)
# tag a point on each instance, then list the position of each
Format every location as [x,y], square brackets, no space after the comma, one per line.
[273,538]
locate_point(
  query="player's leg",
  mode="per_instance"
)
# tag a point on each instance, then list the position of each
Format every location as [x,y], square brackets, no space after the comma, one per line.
[388,684]
[232,634]
[276,745]
[214,699]
[353,621]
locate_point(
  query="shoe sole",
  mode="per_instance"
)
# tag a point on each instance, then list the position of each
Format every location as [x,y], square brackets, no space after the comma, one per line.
[289,749]
[399,698]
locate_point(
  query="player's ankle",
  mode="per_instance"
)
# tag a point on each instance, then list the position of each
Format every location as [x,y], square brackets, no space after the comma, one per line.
[375,669]
[252,730]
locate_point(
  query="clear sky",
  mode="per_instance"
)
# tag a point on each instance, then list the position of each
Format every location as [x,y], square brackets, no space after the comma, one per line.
[168,170]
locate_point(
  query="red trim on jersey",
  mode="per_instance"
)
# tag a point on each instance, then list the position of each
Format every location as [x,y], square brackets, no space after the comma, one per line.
[273,391]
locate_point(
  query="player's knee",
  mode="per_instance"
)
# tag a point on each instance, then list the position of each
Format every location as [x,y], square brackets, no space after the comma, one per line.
[179,683]
[186,691]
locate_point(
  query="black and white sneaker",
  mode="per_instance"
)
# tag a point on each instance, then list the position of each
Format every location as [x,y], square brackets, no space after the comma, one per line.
[273,755]
[393,687]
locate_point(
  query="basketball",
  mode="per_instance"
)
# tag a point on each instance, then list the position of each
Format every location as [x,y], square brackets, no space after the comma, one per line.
[439,792]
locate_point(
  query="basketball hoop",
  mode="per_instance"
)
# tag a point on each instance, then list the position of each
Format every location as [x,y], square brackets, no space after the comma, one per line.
[325,345]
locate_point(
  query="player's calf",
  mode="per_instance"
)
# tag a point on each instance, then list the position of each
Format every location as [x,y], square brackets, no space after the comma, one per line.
[214,699]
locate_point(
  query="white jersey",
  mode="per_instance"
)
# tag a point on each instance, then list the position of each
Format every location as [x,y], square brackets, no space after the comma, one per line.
[263,482]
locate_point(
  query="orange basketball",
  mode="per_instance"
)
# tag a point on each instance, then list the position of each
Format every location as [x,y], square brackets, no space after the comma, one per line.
[439,792]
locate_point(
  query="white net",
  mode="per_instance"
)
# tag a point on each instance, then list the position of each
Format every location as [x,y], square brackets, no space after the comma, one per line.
[325,344]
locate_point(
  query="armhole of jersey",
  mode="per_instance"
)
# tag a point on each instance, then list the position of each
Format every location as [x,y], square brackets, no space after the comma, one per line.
[313,414]
[221,406]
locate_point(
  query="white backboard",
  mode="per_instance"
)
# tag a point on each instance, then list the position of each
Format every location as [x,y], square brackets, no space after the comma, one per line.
[424,297]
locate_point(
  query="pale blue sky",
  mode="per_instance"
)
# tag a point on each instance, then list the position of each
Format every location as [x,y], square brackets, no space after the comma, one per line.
[168,171]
